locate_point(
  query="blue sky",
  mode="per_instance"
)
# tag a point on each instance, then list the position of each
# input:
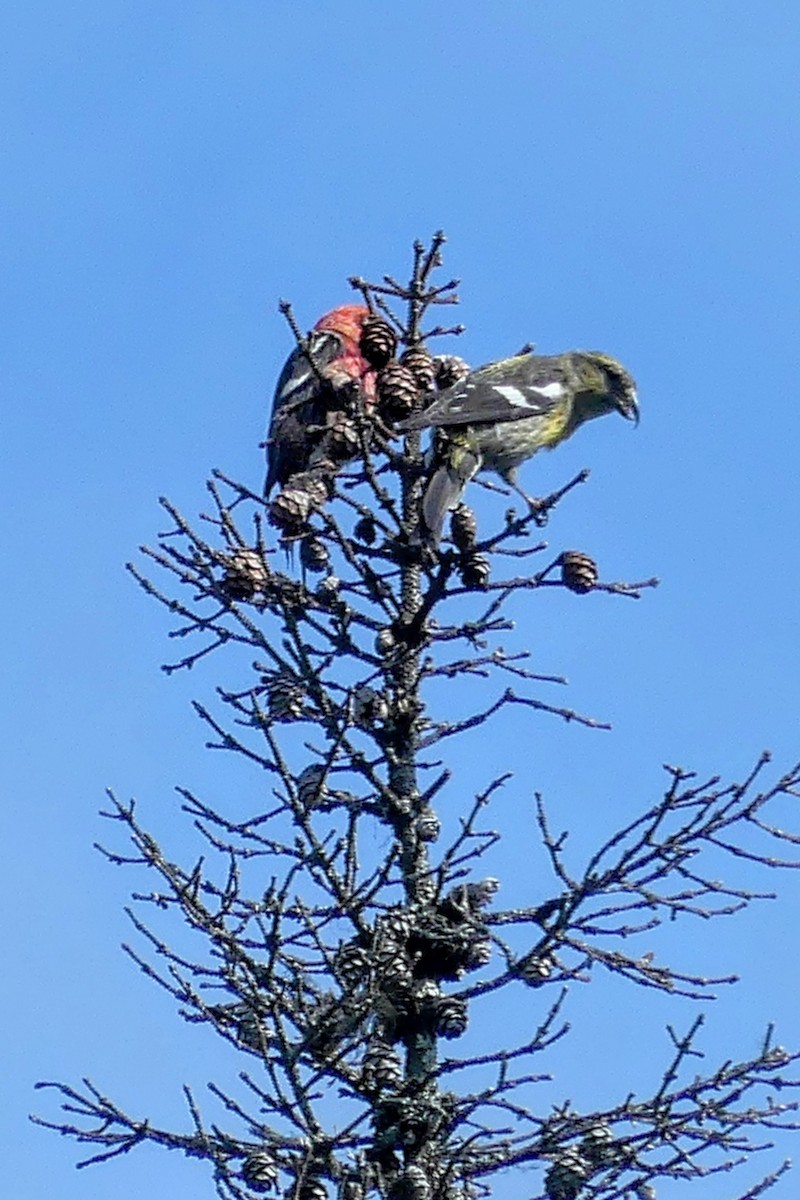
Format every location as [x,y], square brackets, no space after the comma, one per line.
[612,175]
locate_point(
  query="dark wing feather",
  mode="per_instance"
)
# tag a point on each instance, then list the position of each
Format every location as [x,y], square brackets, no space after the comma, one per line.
[297,407]
[298,373]
[481,402]
[509,390]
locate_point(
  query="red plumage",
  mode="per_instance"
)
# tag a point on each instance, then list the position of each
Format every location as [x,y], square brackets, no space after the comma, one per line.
[310,395]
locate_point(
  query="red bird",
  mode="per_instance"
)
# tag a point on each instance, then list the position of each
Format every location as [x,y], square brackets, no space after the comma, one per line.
[308,397]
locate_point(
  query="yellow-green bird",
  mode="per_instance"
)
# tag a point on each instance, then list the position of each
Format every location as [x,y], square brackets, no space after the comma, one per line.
[500,415]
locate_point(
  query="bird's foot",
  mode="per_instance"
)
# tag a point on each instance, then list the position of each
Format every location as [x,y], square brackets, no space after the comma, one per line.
[539,510]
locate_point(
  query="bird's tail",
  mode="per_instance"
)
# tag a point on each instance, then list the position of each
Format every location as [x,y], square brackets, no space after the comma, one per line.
[446,487]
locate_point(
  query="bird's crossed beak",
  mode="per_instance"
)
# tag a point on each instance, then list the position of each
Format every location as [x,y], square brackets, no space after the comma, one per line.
[629,407]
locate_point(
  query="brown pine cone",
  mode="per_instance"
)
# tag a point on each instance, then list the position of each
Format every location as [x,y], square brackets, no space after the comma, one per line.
[415,1183]
[475,572]
[565,1179]
[327,592]
[351,964]
[382,1066]
[297,499]
[365,531]
[285,699]
[397,391]
[369,707]
[463,528]
[290,509]
[245,574]
[450,370]
[312,1189]
[428,825]
[341,442]
[479,953]
[578,571]
[378,342]
[311,787]
[385,641]
[421,365]
[452,1017]
[535,970]
[260,1171]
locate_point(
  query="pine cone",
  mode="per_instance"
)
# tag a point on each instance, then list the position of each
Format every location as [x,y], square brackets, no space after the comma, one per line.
[483,892]
[567,1176]
[599,1146]
[351,964]
[398,391]
[297,499]
[479,953]
[311,1189]
[451,1019]
[535,969]
[249,1029]
[416,1185]
[463,528]
[245,574]
[290,509]
[259,1171]
[395,970]
[427,994]
[475,572]
[369,707]
[385,641]
[578,571]
[378,342]
[466,900]
[311,789]
[314,554]
[382,1066]
[327,592]
[342,442]
[285,699]
[450,370]
[365,530]
[396,926]
[351,1188]
[421,365]
[428,825]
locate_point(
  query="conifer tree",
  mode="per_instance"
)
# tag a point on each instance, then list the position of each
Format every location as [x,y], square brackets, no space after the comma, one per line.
[345,936]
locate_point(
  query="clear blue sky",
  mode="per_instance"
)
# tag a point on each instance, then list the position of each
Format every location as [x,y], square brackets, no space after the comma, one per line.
[613,175]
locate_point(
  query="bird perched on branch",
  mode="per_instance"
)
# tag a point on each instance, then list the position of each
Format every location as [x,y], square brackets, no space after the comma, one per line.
[501,414]
[317,385]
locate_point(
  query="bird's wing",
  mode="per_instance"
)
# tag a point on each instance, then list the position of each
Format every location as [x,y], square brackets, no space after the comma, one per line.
[296,407]
[297,370]
[446,487]
[479,400]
